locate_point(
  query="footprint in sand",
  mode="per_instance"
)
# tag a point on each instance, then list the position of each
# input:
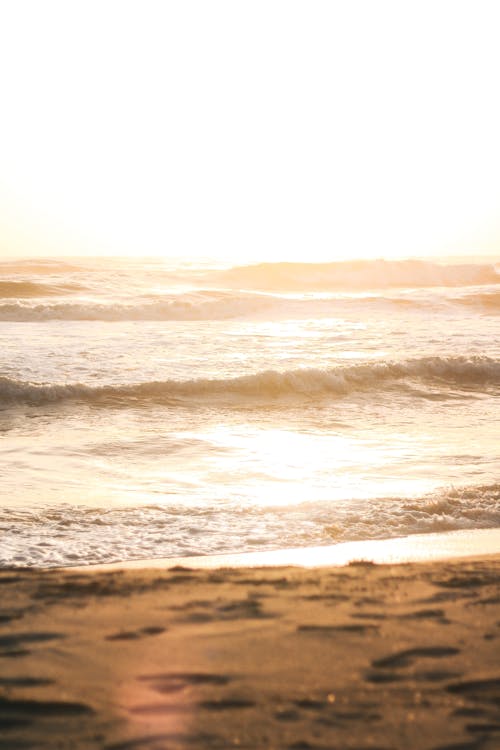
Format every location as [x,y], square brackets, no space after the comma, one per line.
[7,615]
[480,691]
[172,682]
[238,609]
[424,614]
[347,628]
[407,657]
[13,645]
[382,667]
[224,704]
[227,703]
[17,713]
[24,682]
[131,635]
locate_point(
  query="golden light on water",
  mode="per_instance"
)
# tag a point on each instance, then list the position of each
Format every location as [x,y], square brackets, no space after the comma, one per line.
[282,467]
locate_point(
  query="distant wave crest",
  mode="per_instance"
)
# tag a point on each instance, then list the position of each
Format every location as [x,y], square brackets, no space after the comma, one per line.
[469,373]
[358,274]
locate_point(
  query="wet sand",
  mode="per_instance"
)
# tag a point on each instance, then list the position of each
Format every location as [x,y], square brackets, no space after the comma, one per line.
[415,548]
[363,656]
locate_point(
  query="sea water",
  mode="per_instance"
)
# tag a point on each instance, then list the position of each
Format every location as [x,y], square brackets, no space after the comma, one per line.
[161,408]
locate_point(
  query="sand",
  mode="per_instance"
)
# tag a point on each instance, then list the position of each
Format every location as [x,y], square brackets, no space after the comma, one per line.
[415,548]
[363,656]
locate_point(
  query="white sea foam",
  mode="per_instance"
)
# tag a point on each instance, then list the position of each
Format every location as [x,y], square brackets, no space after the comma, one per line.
[69,535]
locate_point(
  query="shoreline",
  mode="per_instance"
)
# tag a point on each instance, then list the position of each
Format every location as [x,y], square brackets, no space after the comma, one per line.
[429,547]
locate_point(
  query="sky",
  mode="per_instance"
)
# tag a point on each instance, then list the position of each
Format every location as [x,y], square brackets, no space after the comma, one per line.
[249,130]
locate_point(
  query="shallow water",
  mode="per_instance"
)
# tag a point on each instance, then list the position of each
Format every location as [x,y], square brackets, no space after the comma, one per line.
[152,409]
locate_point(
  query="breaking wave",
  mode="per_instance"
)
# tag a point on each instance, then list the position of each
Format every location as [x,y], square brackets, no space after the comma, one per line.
[412,375]
[72,535]
[202,306]
[359,274]
[206,305]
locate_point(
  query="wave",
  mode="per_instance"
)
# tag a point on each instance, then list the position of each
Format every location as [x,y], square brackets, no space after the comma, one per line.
[206,305]
[359,274]
[23,289]
[71,535]
[444,373]
[202,306]
[488,301]
[449,509]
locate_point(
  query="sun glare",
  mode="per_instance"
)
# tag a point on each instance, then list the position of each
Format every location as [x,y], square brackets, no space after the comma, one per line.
[280,130]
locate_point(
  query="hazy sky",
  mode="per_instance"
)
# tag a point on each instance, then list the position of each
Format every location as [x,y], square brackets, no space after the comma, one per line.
[249,129]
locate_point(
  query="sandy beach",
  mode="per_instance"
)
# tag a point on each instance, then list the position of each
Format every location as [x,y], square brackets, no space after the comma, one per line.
[363,656]
[249,375]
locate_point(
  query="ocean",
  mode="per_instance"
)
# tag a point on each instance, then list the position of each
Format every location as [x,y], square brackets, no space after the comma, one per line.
[161,408]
